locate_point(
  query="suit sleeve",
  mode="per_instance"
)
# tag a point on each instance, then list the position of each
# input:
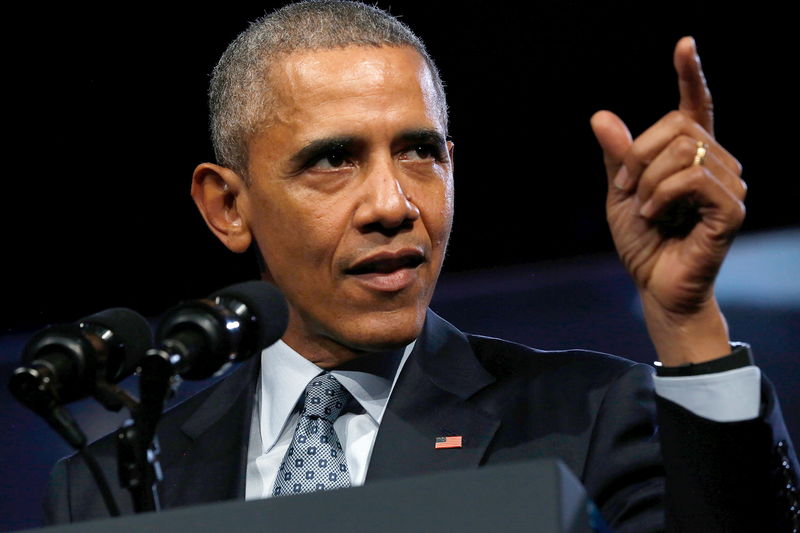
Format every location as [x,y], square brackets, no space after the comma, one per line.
[691,473]
[623,472]
[729,476]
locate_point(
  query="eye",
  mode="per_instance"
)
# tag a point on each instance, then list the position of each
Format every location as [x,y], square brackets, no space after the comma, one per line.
[421,152]
[331,160]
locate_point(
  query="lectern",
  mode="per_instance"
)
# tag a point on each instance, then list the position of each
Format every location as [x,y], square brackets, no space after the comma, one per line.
[540,496]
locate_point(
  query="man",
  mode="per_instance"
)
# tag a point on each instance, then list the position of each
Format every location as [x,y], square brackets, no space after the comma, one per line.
[330,126]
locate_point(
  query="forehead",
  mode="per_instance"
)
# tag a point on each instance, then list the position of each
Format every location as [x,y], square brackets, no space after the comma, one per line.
[358,85]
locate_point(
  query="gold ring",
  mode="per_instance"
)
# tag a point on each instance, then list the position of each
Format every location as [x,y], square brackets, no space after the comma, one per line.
[700,153]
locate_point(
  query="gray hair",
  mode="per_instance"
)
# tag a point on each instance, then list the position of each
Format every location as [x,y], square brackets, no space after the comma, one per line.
[239,96]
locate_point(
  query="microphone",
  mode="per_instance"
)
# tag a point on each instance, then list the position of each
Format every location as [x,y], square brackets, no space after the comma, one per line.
[65,363]
[70,360]
[199,337]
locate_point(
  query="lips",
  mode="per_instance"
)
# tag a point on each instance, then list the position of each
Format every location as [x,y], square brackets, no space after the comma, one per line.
[387,262]
[388,271]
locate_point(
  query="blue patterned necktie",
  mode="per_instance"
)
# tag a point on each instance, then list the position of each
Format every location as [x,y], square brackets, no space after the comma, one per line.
[315,459]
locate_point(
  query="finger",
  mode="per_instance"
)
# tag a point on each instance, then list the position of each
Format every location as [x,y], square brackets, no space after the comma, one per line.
[652,142]
[695,98]
[679,155]
[615,140]
[718,207]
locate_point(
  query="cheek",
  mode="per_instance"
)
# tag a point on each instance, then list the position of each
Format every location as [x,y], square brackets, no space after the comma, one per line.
[296,234]
[437,206]
[449,201]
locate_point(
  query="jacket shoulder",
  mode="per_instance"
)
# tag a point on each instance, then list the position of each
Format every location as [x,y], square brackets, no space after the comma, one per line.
[503,359]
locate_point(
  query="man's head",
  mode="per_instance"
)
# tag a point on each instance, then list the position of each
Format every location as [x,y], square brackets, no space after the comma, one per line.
[241,96]
[348,191]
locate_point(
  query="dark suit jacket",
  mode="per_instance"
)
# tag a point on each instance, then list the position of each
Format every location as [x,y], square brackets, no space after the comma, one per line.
[510,403]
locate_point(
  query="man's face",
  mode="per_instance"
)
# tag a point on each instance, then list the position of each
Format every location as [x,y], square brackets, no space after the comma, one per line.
[351,197]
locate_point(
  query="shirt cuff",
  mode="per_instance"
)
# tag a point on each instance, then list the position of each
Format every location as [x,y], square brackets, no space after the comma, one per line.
[729,396]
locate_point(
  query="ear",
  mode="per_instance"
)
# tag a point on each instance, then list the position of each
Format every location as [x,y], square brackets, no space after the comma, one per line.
[216,192]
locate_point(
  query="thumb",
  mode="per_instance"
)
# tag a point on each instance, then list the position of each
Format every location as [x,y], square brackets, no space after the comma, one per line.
[614,138]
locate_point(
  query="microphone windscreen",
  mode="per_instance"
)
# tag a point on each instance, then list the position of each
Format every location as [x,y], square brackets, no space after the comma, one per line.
[130,329]
[266,303]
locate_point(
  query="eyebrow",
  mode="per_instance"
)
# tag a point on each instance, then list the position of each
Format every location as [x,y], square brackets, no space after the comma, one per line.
[422,136]
[321,147]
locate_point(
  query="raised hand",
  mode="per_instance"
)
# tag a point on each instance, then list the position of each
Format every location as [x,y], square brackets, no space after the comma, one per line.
[675,201]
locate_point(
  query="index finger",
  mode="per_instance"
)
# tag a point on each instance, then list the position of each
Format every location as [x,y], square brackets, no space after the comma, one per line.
[695,96]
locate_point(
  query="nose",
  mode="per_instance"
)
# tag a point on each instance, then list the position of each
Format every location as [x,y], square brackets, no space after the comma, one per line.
[385,206]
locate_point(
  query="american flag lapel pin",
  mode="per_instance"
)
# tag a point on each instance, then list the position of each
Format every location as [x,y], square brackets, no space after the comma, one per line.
[448,442]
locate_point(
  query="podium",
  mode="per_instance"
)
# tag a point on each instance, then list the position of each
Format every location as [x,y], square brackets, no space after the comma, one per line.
[540,496]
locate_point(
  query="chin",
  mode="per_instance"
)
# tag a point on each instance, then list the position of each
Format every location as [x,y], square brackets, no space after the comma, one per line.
[386,331]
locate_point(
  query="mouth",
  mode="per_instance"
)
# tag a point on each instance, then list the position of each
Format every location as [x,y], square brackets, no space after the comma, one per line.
[388,271]
[387,263]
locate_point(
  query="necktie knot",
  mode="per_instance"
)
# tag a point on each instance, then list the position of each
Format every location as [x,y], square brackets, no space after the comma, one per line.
[325,398]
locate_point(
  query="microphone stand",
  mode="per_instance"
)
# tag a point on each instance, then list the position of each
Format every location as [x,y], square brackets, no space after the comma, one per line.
[159,376]
[197,339]
[137,444]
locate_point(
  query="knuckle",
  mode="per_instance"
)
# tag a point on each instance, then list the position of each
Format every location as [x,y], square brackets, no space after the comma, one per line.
[698,174]
[637,155]
[739,213]
[685,147]
[743,189]
[737,166]
[676,118]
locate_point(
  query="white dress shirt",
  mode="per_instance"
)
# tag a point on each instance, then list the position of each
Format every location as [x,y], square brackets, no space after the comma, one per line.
[284,376]
[728,396]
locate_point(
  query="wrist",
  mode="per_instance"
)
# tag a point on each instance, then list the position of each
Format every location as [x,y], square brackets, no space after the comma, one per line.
[740,356]
[681,338]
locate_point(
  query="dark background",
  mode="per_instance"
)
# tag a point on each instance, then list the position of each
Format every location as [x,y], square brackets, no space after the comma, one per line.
[109,120]
[106,119]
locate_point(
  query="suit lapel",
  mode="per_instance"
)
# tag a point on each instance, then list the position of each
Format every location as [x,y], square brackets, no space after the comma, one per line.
[211,462]
[431,399]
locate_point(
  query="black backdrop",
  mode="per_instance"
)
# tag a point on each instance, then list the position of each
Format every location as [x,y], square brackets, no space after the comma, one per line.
[107,119]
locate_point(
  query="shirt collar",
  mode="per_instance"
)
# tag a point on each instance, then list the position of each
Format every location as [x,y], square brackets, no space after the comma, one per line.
[285,374]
